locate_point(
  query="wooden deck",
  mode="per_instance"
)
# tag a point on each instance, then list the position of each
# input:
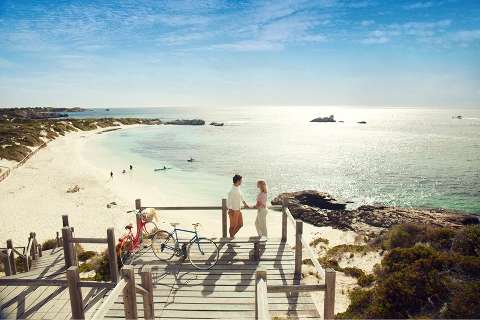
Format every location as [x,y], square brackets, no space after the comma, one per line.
[180,292]
[227,291]
[43,302]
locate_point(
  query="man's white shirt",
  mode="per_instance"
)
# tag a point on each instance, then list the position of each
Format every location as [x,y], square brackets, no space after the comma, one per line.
[235,198]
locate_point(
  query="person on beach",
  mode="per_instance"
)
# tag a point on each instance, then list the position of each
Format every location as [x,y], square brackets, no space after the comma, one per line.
[131,167]
[262,211]
[234,204]
[111,174]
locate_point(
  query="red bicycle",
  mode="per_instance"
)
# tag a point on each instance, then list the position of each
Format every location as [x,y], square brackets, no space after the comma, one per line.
[129,244]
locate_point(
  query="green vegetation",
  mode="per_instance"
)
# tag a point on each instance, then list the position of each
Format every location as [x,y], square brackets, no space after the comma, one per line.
[49,244]
[18,136]
[426,272]
[318,240]
[85,255]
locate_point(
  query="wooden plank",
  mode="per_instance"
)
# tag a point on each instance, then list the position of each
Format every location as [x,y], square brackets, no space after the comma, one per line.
[108,302]
[33,282]
[261,297]
[296,288]
[88,240]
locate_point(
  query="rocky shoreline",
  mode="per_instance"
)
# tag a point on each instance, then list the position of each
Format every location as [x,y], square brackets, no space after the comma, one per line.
[322,209]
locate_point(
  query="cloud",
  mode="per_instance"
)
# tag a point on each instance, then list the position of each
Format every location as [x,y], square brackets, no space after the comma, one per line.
[367,23]
[419,5]
[376,37]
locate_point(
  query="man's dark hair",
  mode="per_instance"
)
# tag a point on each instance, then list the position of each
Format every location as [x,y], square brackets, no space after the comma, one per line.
[237,178]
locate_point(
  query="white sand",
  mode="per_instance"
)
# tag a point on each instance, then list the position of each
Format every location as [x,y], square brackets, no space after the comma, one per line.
[34,197]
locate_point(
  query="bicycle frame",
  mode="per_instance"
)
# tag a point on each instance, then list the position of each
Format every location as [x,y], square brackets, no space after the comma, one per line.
[194,238]
[135,238]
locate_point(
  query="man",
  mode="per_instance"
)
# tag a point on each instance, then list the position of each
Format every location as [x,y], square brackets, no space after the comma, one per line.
[234,204]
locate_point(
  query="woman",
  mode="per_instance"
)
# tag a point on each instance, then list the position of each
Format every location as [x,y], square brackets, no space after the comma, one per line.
[262,211]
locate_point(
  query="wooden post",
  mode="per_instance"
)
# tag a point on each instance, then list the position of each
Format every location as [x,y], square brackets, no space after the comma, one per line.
[39,250]
[298,248]
[284,220]
[129,293]
[7,263]
[112,255]
[13,265]
[139,226]
[65,220]
[256,251]
[34,246]
[329,302]
[148,307]
[260,280]
[67,246]
[224,218]
[58,240]
[76,300]
[138,204]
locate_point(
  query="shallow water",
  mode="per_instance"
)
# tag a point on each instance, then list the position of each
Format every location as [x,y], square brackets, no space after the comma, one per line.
[404,157]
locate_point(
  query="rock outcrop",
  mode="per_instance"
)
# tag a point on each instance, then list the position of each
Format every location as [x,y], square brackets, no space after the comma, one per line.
[321,209]
[331,118]
[183,122]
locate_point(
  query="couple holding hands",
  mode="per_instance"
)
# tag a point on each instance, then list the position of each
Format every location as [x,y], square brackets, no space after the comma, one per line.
[234,205]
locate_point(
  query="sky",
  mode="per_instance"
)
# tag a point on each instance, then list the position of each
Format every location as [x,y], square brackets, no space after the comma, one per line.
[149,53]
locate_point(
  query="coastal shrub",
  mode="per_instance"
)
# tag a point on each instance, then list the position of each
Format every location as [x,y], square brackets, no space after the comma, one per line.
[84,256]
[366,280]
[338,251]
[402,236]
[14,152]
[318,240]
[85,267]
[353,272]
[329,263]
[467,241]
[440,238]
[101,266]
[464,302]
[49,244]
[360,301]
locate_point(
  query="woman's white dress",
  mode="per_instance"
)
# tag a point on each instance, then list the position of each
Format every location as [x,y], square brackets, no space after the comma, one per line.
[262,211]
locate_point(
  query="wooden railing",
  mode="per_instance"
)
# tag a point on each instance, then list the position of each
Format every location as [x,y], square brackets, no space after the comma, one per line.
[70,255]
[31,252]
[129,289]
[329,275]
[222,207]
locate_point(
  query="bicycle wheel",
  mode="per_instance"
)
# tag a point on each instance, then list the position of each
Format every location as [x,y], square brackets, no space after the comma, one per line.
[126,252]
[203,253]
[164,245]
[149,230]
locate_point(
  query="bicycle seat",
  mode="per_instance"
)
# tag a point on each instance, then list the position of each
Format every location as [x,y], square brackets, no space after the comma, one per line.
[174,224]
[129,226]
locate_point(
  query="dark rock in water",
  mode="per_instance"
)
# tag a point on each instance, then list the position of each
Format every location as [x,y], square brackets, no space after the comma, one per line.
[216,124]
[312,198]
[193,122]
[324,119]
[362,122]
[321,209]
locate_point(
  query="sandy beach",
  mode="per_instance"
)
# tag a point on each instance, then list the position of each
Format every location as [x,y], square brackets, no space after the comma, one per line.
[34,197]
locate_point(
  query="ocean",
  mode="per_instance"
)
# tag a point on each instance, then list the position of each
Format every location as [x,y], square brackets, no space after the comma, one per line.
[401,157]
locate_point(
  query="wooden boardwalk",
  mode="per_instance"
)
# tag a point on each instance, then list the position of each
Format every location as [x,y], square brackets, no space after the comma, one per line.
[180,292]
[227,291]
[44,302]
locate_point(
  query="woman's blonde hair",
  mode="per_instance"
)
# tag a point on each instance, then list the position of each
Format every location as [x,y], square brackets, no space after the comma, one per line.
[262,185]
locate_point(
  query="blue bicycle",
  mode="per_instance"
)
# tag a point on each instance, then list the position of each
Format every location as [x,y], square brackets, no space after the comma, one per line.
[201,252]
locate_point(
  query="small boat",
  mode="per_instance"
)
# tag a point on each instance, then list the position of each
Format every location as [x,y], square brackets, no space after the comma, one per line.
[191,160]
[107,109]
[161,169]
[362,122]
[217,124]
[458,117]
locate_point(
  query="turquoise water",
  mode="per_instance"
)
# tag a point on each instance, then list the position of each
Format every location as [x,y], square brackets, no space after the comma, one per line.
[403,157]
